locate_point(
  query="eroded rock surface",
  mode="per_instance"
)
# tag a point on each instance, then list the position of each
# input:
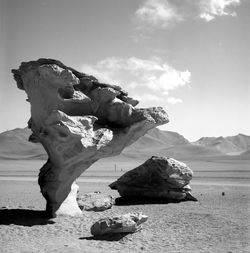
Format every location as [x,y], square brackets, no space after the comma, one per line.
[78,120]
[127,223]
[158,177]
[95,201]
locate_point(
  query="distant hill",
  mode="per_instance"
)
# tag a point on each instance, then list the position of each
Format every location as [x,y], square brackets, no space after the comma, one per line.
[246,153]
[166,143]
[158,139]
[231,145]
[241,140]
[14,144]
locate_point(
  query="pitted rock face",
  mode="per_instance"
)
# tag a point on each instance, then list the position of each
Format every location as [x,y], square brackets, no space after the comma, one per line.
[95,201]
[127,223]
[158,177]
[78,120]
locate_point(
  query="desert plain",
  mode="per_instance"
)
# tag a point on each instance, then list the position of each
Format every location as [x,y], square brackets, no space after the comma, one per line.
[218,222]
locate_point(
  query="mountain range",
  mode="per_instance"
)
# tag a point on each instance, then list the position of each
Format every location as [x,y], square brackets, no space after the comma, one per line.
[14,144]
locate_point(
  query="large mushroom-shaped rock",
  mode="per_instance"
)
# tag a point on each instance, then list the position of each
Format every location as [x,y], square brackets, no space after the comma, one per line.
[78,120]
[95,201]
[158,177]
[127,223]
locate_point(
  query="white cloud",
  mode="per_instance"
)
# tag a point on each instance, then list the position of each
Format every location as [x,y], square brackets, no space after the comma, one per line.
[150,74]
[156,13]
[173,100]
[212,8]
[206,16]
[148,97]
[148,80]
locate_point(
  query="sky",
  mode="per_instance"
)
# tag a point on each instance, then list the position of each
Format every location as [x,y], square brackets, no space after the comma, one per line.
[192,57]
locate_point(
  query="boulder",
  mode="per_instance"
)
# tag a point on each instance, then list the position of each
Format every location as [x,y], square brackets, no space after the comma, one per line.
[127,223]
[158,177]
[95,201]
[78,120]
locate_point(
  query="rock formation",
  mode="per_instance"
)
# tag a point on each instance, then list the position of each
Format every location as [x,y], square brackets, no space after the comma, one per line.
[158,177]
[95,201]
[127,223]
[78,120]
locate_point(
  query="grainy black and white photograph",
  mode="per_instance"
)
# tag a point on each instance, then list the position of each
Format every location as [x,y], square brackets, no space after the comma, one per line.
[124,126]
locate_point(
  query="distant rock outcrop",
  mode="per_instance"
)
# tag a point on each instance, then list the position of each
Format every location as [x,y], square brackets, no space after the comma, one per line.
[78,120]
[158,177]
[127,223]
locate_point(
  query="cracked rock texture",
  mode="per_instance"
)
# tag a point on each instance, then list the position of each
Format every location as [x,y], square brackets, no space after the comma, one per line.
[95,201]
[127,223]
[78,120]
[158,177]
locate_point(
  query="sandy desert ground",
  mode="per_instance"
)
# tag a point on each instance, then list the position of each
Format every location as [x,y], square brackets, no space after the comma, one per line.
[215,223]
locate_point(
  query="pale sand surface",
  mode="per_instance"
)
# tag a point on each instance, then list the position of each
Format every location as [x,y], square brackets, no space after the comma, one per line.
[215,223]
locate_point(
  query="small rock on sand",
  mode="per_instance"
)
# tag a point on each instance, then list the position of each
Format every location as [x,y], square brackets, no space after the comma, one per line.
[95,201]
[127,223]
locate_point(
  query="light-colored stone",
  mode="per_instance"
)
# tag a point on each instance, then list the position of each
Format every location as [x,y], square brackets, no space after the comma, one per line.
[127,223]
[95,201]
[78,120]
[158,177]
[70,206]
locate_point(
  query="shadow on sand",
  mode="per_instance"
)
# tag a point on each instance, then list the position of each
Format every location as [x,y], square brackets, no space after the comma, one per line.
[128,201]
[24,217]
[107,237]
